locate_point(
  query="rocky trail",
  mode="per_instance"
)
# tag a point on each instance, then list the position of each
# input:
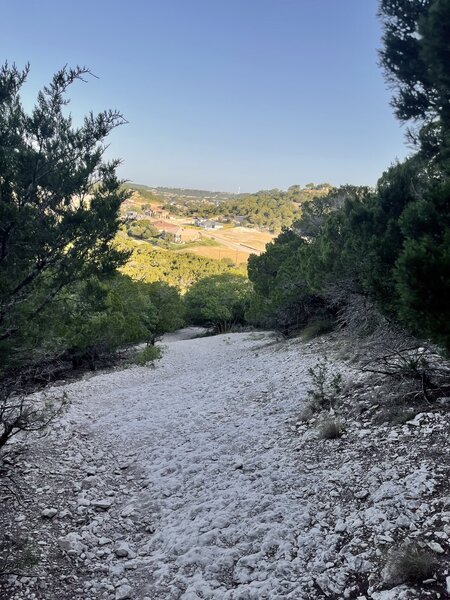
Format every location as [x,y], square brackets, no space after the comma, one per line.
[196,479]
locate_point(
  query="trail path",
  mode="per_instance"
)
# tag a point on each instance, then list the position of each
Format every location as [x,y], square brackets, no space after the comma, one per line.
[192,480]
[207,428]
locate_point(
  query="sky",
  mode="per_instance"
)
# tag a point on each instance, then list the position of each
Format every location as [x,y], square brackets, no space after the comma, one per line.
[221,94]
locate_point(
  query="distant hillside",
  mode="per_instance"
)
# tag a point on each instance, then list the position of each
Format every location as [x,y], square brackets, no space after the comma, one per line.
[267,209]
[182,194]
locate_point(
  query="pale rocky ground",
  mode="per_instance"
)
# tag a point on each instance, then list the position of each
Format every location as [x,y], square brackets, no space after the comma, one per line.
[195,479]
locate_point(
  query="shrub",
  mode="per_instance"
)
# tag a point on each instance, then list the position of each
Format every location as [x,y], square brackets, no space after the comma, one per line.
[19,413]
[148,354]
[142,229]
[219,302]
[326,385]
[169,305]
[409,563]
[307,413]
[330,430]
[97,318]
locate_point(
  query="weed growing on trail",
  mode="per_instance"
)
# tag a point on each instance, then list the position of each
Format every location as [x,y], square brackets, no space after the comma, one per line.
[306,414]
[326,385]
[410,563]
[18,555]
[331,430]
[148,354]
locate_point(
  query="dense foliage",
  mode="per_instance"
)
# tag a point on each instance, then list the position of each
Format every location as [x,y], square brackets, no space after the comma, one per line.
[179,269]
[416,59]
[60,295]
[391,245]
[219,302]
[142,229]
[59,200]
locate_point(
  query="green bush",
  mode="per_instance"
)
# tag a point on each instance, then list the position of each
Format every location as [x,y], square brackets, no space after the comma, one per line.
[96,318]
[148,354]
[326,385]
[142,229]
[170,308]
[219,302]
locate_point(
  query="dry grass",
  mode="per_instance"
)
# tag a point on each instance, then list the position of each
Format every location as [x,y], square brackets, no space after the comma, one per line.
[218,252]
[244,235]
[410,563]
[330,430]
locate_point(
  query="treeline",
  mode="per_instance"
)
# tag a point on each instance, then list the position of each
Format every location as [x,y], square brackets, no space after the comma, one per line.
[389,247]
[270,209]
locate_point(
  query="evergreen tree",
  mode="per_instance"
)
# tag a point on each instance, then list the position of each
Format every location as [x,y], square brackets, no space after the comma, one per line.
[416,60]
[59,198]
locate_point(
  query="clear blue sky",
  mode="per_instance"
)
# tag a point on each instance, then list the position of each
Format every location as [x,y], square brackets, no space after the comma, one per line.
[222,93]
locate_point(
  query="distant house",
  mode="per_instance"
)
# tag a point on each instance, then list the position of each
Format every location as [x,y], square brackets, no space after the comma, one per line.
[131,215]
[239,220]
[169,232]
[207,224]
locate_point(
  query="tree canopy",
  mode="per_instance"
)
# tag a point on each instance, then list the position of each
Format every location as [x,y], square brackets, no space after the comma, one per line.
[416,59]
[59,198]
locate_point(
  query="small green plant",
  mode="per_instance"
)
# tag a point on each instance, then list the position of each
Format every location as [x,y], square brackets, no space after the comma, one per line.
[148,354]
[18,555]
[326,385]
[409,563]
[330,430]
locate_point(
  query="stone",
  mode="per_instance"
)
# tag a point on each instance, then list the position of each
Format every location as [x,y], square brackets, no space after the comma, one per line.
[116,570]
[436,547]
[123,592]
[72,544]
[49,513]
[127,511]
[361,494]
[103,541]
[122,550]
[340,526]
[103,504]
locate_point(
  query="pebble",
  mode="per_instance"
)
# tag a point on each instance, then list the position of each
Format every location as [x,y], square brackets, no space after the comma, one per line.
[340,526]
[123,592]
[436,547]
[122,550]
[103,504]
